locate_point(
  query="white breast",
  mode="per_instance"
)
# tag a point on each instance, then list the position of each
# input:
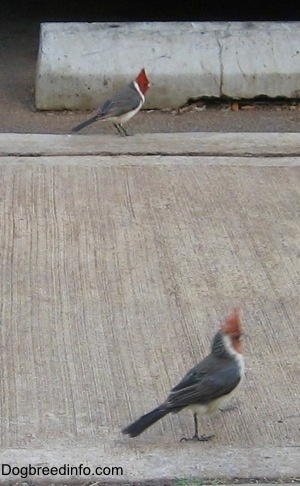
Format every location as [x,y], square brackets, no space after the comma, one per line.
[213,406]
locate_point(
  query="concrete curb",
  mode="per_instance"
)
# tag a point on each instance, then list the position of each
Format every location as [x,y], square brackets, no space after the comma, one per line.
[81,64]
[154,464]
[215,144]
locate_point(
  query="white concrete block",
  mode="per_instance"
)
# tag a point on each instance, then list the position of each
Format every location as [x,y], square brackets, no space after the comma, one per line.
[260,58]
[81,64]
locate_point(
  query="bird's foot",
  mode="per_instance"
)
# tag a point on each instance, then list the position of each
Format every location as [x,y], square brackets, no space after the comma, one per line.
[196,437]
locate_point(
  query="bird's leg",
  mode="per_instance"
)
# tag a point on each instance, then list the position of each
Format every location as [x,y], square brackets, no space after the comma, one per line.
[196,436]
[118,128]
[123,129]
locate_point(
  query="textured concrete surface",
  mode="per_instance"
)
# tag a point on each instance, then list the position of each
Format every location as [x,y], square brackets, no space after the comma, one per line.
[284,146]
[116,271]
[80,64]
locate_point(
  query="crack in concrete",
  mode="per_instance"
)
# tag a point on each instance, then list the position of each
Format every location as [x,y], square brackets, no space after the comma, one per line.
[221,65]
[220,54]
[155,154]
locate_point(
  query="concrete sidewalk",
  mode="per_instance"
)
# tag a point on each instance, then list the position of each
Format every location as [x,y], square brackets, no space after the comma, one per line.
[116,271]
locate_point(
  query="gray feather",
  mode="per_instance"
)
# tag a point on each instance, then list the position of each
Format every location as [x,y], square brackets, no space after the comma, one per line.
[126,100]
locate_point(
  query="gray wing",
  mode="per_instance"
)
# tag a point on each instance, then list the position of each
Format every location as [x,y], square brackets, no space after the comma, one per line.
[201,385]
[124,101]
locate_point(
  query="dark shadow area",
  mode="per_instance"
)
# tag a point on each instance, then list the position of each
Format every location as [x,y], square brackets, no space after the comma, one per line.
[164,10]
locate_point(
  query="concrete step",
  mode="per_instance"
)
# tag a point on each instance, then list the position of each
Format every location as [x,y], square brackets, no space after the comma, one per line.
[181,144]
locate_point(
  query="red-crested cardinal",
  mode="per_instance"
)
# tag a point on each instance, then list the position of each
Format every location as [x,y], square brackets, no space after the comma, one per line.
[206,386]
[123,106]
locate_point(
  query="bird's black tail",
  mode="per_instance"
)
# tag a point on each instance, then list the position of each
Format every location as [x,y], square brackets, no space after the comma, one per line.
[85,123]
[145,421]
